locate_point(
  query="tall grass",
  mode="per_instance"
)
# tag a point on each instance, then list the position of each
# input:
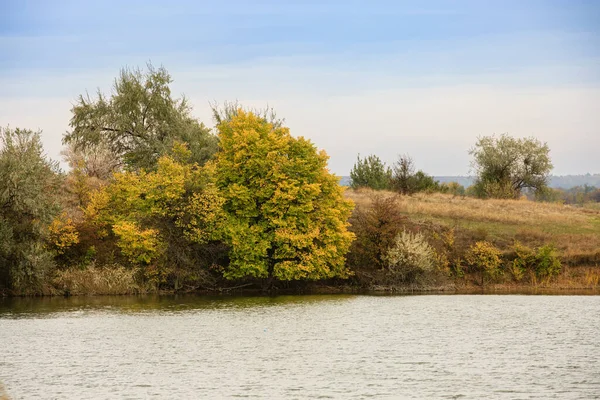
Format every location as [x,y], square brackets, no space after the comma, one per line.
[92,280]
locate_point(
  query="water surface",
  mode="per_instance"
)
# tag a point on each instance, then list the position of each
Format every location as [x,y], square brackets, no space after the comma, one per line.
[298,347]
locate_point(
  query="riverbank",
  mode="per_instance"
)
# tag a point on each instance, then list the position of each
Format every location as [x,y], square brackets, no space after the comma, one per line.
[451,224]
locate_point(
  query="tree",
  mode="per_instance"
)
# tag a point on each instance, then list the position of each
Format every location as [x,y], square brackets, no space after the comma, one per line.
[406,181]
[161,219]
[370,172]
[404,170]
[139,121]
[29,184]
[287,217]
[504,165]
[230,109]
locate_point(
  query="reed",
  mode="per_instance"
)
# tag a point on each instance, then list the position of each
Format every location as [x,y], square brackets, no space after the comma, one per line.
[92,280]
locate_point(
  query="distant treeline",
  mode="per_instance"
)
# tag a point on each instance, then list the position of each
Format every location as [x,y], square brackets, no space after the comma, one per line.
[556,182]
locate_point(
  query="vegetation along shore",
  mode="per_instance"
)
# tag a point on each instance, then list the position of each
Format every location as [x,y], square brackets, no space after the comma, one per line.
[155,201]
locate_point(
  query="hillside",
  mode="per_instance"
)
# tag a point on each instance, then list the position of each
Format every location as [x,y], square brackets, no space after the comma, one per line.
[574,231]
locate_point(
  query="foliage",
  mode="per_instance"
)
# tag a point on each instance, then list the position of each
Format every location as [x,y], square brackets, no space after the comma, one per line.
[410,256]
[140,246]
[62,233]
[164,216]
[29,188]
[543,261]
[485,257]
[524,260]
[453,188]
[548,262]
[376,227]
[371,172]
[287,218]
[505,166]
[139,121]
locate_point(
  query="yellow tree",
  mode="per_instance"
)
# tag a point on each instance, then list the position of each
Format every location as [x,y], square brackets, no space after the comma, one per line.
[287,217]
[157,217]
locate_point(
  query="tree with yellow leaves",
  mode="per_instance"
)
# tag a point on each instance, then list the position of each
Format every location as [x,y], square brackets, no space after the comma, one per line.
[160,218]
[287,217]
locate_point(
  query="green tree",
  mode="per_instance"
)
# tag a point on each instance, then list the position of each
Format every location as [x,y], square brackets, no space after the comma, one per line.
[370,172]
[504,165]
[139,121]
[29,187]
[287,217]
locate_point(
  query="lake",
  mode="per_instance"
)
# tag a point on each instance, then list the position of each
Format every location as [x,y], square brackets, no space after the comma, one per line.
[300,347]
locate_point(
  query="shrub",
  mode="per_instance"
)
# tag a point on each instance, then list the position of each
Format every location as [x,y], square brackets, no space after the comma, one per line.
[547,262]
[485,257]
[376,227]
[410,256]
[544,261]
[524,260]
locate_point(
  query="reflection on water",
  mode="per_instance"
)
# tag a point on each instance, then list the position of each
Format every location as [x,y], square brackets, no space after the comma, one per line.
[431,346]
[27,307]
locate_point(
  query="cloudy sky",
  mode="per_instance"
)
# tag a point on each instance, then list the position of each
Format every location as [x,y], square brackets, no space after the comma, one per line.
[423,78]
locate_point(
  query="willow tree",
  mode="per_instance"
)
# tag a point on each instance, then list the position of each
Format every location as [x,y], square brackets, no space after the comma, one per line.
[29,188]
[287,217]
[139,120]
[505,165]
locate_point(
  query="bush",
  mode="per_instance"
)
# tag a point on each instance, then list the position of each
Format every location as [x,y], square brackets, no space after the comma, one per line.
[524,260]
[547,262]
[485,257]
[376,227]
[543,261]
[410,256]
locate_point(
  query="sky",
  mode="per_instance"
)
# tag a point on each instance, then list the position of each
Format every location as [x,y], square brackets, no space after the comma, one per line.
[423,78]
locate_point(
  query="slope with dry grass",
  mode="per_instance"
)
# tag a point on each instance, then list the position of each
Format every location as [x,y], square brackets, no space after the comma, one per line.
[575,231]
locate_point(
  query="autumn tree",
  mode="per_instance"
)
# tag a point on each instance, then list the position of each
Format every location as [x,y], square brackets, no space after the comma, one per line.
[29,187]
[505,165]
[139,120]
[370,172]
[162,219]
[287,217]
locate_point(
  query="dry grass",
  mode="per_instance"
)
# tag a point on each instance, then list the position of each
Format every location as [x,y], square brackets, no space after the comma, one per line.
[520,212]
[574,230]
[91,281]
